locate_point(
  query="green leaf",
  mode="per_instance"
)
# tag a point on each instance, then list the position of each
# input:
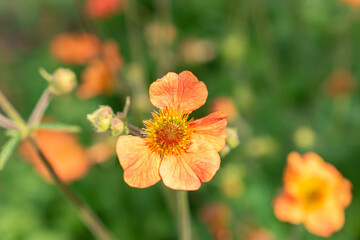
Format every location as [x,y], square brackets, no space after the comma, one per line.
[59,127]
[7,150]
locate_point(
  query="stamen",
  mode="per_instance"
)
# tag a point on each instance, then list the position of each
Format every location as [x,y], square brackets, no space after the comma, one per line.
[168,132]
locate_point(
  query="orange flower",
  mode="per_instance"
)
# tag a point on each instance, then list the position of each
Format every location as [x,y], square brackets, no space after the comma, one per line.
[97,78]
[111,55]
[314,193]
[75,48]
[226,105]
[181,152]
[341,82]
[355,3]
[258,234]
[217,218]
[63,152]
[100,75]
[101,151]
[103,8]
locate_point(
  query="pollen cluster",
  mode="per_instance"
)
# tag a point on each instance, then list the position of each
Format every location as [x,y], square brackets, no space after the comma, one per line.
[313,192]
[168,133]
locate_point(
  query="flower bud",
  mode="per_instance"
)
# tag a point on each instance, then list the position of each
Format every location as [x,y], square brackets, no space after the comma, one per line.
[101,119]
[232,141]
[232,138]
[117,126]
[63,81]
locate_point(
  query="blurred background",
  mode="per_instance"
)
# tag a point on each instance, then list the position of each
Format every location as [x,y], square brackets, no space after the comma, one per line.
[286,72]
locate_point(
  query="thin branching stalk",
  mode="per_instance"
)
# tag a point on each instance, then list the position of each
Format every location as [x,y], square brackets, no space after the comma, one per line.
[11,111]
[92,222]
[134,130]
[40,108]
[183,214]
[7,123]
[127,106]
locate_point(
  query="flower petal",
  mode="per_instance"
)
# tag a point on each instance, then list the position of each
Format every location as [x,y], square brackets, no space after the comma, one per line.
[141,167]
[212,129]
[183,91]
[288,209]
[187,171]
[66,156]
[326,221]
[344,194]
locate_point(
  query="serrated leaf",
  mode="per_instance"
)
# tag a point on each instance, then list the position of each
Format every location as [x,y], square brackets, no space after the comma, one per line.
[59,127]
[7,149]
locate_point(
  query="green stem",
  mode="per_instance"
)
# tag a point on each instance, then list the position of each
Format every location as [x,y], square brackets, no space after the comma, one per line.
[11,111]
[40,108]
[183,214]
[92,222]
[137,79]
[162,47]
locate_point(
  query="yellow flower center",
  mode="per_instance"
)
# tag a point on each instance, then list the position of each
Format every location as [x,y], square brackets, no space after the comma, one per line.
[313,192]
[168,133]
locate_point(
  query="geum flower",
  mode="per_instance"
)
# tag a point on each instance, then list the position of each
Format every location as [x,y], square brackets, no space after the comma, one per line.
[314,193]
[181,152]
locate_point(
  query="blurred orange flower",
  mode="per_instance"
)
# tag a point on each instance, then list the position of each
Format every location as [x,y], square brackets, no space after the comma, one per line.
[217,217]
[101,151]
[340,82]
[75,48]
[97,78]
[100,75]
[355,3]
[225,105]
[111,55]
[258,234]
[63,152]
[103,8]
[314,193]
[181,152]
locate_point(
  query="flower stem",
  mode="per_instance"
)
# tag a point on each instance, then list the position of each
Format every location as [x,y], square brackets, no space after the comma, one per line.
[134,130]
[11,112]
[88,217]
[183,214]
[40,108]
[137,80]
[7,123]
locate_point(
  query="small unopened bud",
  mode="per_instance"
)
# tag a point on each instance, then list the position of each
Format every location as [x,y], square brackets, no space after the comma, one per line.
[64,81]
[232,137]
[117,126]
[232,141]
[101,118]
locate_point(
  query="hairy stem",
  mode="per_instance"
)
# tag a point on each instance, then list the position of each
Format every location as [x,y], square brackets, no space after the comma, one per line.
[11,111]
[40,108]
[183,214]
[7,123]
[134,130]
[92,222]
